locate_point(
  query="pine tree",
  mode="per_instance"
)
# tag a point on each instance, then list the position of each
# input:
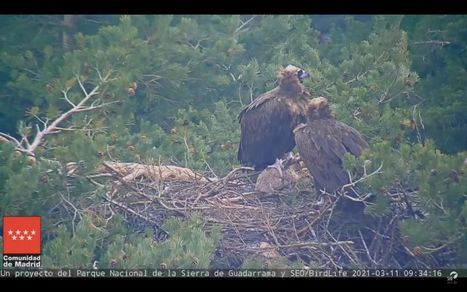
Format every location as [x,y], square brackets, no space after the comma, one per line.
[169,91]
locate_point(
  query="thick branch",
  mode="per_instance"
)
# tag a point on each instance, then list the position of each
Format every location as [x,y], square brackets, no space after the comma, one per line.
[54,126]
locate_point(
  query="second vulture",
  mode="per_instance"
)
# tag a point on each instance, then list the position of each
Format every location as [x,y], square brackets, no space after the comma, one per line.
[322,142]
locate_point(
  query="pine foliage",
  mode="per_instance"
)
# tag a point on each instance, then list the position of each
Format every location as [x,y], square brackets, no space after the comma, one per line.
[175,87]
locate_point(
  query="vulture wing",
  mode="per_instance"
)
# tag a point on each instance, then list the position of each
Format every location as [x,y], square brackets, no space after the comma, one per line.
[352,140]
[321,145]
[266,130]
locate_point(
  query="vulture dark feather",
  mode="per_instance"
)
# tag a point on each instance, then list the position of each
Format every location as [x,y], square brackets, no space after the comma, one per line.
[322,142]
[267,123]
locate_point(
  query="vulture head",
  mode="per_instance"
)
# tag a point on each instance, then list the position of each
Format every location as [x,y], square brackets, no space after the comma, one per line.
[290,79]
[318,108]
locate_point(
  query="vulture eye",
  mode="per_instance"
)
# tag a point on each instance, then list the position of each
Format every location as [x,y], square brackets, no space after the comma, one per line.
[302,75]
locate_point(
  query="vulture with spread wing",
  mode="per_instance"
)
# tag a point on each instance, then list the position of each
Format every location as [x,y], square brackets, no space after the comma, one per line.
[267,123]
[322,142]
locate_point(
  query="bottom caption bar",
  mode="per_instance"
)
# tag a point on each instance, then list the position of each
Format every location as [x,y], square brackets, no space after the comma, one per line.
[215,273]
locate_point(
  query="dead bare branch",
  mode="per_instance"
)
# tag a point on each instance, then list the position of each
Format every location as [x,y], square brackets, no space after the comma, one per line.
[29,148]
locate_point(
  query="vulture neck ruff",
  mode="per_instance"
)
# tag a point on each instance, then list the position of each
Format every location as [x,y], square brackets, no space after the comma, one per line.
[318,109]
[289,84]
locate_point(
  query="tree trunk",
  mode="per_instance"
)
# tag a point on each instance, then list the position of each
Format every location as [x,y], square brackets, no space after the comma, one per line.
[69,25]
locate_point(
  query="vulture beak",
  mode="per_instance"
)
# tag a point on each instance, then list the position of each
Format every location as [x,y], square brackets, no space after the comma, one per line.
[302,74]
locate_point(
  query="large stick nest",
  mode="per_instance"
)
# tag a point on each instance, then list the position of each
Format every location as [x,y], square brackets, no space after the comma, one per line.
[292,222]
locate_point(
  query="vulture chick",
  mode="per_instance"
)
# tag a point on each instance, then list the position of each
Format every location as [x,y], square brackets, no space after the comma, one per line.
[280,175]
[322,142]
[267,123]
